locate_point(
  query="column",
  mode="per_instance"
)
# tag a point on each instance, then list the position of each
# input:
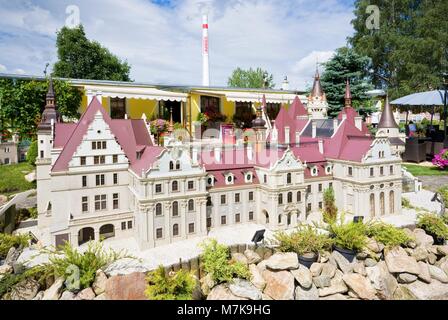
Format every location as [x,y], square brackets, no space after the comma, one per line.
[167,226]
[203,216]
[149,219]
[184,216]
[74,239]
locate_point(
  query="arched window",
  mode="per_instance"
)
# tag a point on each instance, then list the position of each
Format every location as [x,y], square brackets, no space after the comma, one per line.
[391,202]
[280,198]
[175,186]
[290,197]
[159,209]
[382,204]
[171,165]
[299,196]
[279,219]
[175,230]
[177,165]
[288,178]
[191,205]
[372,205]
[175,209]
[289,219]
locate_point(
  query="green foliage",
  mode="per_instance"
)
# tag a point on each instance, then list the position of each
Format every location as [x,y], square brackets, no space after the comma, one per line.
[409,50]
[80,58]
[443,191]
[347,64]
[7,241]
[306,239]
[217,263]
[433,224]
[31,155]
[418,170]
[7,282]
[251,78]
[387,234]
[12,178]
[405,203]
[330,212]
[351,236]
[174,286]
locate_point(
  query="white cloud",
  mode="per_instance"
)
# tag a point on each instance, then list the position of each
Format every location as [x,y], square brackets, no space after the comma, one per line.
[3,68]
[304,69]
[163,43]
[19,71]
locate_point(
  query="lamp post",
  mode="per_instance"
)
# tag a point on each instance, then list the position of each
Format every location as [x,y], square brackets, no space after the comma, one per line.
[445,109]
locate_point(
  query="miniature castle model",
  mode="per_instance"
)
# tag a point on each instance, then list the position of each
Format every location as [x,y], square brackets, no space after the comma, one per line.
[101,177]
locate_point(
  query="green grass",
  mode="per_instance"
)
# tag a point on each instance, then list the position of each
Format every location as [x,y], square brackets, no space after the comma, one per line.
[417,170]
[12,178]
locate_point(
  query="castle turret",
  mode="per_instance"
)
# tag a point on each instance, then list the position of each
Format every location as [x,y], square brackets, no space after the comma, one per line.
[317,100]
[389,128]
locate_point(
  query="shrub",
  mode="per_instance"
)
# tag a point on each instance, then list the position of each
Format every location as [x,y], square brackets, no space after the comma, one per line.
[351,236]
[305,239]
[7,241]
[443,191]
[175,286]
[433,224]
[387,234]
[405,203]
[31,154]
[330,210]
[217,263]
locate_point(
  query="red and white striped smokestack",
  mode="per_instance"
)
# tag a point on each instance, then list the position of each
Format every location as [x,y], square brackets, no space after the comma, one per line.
[205,53]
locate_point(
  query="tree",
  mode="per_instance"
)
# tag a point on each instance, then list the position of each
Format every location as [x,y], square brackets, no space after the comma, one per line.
[80,58]
[330,212]
[409,51]
[347,64]
[31,155]
[251,78]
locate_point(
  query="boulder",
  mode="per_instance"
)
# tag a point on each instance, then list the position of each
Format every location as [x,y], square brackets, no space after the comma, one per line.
[12,256]
[442,250]
[5,269]
[99,285]
[324,257]
[374,246]
[262,266]
[432,258]
[239,257]
[222,292]
[420,254]
[265,297]
[244,289]
[335,288]
[306,294]
[422,239]
[360,285]
[101,297]
[322,281]
[343,264]
[328,270]
[316,269]
[398,261]
[303,277]
[362,255]
[67,295]
[279,284]
[126,266]
[444,266]
[25,290]
[207,283]
[31,257]
[382,280]
[126,287]
[423,291]
[359,267]
[252,256]
[256,277]
[54,292]
[283,261]
[39,296]
[403,293]
[438,274]
[337,296]
[263,252]
[86,294]
[369,262]
[424,274]
[406,278]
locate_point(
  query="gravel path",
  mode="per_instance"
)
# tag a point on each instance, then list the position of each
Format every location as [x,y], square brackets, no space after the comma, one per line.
[433,182]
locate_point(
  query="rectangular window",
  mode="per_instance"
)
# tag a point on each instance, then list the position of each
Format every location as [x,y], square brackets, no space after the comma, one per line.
[100,180]
[299,196]
[123,226]
[223,220]
[308,188]
[93,145]
[372,172]
[159,233]
[85,204]
[191,228]
[84,181]
[308,208]
[251,216]
[99,159]
[391,170]
[117,108]
[115,158]
[251,196]
[331,185]
[237,218]
[129,224]
[115,178]
[104,145]
[223,199]
[158,188]
[41,154]
[350,171]
[83,161]
[210,105]
[100,202]
[320,205]
[320,187]
[115,201]
[190,185]
[237,198]
[382,171]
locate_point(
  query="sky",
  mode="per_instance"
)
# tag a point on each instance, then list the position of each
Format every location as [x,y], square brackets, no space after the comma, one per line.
[161,39]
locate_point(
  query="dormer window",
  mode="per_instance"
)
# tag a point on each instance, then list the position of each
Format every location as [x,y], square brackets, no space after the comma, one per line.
[328,169]
[248,177]
[229,178]
[210,181]
[314,171]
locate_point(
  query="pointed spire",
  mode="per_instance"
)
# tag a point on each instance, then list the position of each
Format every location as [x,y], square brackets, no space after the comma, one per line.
[317,87]
[171,124]
[259,122]
[387,117]
[50,114]
[348,95]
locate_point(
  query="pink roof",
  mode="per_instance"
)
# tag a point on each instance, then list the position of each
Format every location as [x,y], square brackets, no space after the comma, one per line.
[309,153]
[297,109]
[237,159]
[239,177]
[62,133]
[351,115]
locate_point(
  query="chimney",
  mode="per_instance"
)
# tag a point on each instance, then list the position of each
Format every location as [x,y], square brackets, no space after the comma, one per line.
[358,123]
[285,84]
[297,138]
[205,53]
[287,138]
[249,150]
[314,129]
[321,146]
[218,154]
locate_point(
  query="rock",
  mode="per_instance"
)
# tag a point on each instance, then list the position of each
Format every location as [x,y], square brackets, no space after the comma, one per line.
[328,270]
[324,257]
[256,277]
[409,251]
[424,274]
[31,257]
[252,256]
[422,239]
[352,295]
[6,269]
[303,277]
[39,295]
[239,257]
[403,293]
[99,285]
[283,261]
[433,249]
[433,291]
[442,250]
[279,285]
[263,252]
[54,292]
[67,295]
[360,268]
[86,294]
[222,292]
[438,274]
[412,244]
[444,266]
[265,297]
[30,177]
[12,256]
[3,199]
[244,289]
[101,297]
[335,288]
[126,287]
[432,258]
[337,296]
[316,269]
[369,262]
[262,266]
[125,266]
[343,264]
[307,294]
[374,246]
[399,262]
[18,268]
[207,283]
[322,281]
[382,280]
[406,278]
[360,285]
[362,255]
[25,290]
[420,254]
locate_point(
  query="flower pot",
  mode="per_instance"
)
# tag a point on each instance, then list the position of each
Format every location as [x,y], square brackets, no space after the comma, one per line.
[346,253]
[308,259]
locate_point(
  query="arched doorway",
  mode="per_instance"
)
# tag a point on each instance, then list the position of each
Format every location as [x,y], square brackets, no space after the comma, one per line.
[266,216]
[85,235]
[372,205]
[107,231]
[391,202]
[382,204]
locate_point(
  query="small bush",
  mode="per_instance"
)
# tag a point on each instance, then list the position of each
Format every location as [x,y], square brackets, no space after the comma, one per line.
[405,203]
[443,191]
[305,239]
[217,263]
[387,234]
[330,212]
[175,286]
[7,241]
[351,236]
[433,224]
[31,154]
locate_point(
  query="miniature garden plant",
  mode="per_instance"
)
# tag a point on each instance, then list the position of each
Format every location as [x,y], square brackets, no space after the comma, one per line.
[306,239]
[351,236]
[433,225]
[330,212]
[173,286]
[387,234]
[7,241]
[441,160]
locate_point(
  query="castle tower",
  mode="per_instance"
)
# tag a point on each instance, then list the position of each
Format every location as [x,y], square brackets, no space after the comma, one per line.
[317,100]
[387,127]
[259,125]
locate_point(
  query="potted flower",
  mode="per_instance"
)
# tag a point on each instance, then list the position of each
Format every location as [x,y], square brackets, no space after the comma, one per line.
[158,127]
[306,241]
[433,226]
[441,160]
[349,238]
